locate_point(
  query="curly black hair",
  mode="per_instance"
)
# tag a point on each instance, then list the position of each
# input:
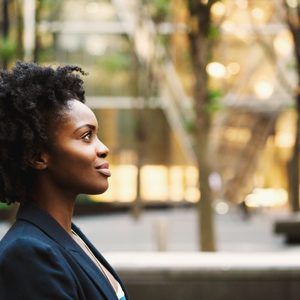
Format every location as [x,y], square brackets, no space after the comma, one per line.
[31,98]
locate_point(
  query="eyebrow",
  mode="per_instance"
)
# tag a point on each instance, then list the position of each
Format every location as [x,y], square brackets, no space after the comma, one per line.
[90,126]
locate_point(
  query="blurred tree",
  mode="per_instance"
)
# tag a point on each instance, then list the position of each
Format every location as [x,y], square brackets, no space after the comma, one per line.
[45,9]
[41,7]
[37,38]
[139,131]
[293,21]
[7,46]
[5,31]
[19,29]
[7,53]
[202,35]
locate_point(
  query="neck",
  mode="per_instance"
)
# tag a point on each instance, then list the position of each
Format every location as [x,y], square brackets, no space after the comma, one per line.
[57,203]
[61,211]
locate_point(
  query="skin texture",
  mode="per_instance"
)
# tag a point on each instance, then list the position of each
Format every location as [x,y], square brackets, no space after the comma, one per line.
[75,164]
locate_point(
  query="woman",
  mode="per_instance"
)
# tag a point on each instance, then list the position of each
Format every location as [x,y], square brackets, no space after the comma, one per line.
[49,154]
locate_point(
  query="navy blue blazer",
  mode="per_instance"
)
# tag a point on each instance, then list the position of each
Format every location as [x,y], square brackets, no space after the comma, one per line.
[39,260]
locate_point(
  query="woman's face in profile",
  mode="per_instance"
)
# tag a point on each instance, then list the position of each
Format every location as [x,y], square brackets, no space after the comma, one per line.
[76,162]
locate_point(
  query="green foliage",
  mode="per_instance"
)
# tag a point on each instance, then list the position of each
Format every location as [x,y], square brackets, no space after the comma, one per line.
[214,32]
[3,205]
[189,125]
[291,65]
[214,97]
[159,9]
[114,62]
[162,6]
[163,40]
[49,6]
[46,3]
[46,54]
[7,49]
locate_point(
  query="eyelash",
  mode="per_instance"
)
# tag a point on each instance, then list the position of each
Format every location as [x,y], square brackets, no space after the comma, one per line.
[87,136]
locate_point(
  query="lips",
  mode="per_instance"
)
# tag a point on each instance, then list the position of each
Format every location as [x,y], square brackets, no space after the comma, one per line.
[104,169]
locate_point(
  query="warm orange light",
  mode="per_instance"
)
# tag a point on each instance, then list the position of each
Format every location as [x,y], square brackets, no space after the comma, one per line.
[158,183]
[267,197]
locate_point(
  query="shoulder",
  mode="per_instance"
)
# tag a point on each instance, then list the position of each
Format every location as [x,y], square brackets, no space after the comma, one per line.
[24,236]
[24,243]
[25,250]
[37,268]
[32,256]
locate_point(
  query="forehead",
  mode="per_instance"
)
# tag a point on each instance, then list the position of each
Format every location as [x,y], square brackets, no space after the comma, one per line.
[74,116]
[79,113]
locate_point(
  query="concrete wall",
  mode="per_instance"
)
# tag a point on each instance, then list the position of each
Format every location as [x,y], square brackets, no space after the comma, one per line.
[187,276]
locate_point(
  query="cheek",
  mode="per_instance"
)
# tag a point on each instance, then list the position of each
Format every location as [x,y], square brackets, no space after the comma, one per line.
[74,160]
[78,153]
[81,161]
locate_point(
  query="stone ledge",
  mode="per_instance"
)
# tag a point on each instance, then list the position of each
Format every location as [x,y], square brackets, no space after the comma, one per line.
[205,260]
[209,276]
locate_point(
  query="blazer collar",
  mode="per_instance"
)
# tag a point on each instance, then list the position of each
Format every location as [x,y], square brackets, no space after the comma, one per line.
[99,256]
[31,213]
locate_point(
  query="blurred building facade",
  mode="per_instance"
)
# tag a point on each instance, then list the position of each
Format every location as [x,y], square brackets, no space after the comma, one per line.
[140,85]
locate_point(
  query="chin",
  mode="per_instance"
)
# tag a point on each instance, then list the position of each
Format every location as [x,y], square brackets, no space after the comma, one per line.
[100,190]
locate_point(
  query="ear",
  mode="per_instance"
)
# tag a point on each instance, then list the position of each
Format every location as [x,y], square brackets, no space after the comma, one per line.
[40,161]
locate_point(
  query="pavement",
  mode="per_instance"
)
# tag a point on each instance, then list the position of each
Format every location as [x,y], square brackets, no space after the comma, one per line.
[175,230]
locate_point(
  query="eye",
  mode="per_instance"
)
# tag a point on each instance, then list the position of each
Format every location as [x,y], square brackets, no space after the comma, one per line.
[87,136]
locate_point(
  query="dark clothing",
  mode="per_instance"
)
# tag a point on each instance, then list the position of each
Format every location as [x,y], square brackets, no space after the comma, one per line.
[39,260]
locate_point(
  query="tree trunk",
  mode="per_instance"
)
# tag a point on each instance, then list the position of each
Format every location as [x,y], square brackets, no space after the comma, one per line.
[19,37]
[5,29]
[293,165]
[140,137]
[37,42]
[293,20]
[200,45]
[205,213]
[137,205]
[205,209]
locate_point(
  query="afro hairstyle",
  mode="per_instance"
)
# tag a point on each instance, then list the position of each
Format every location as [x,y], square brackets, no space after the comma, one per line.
[31,97]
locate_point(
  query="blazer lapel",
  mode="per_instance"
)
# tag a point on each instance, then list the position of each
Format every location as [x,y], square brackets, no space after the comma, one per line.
[100,257]
[94,273]
[33,214]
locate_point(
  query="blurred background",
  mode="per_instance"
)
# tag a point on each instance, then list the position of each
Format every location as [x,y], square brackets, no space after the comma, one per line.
[198,102]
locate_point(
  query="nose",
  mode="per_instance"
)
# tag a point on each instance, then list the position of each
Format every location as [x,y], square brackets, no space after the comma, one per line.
[102,150]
